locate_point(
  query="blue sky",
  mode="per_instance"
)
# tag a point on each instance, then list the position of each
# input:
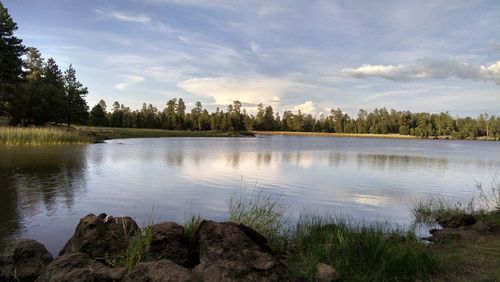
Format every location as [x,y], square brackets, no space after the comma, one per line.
[311,55]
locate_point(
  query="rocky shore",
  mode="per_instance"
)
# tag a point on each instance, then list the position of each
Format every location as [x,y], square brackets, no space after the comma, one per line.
[223,251]
[214,251]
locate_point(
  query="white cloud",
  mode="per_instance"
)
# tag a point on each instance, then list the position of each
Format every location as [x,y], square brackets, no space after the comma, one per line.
[492,71]
[124,16]
[134,78]
[225,90]
[130,79]
[307,107]
[428,69]
[121,86]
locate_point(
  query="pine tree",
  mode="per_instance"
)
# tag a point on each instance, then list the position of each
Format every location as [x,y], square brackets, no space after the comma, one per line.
[11,50]
[77,109]
[52,74]
[33,64]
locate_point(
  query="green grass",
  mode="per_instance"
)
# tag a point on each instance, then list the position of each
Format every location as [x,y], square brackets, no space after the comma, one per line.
[490,196]
[13,136]
[469,260]
[136,251]
[261,211]
[486,208]
[431,210]
[360,252]
[121,133]
[190,229]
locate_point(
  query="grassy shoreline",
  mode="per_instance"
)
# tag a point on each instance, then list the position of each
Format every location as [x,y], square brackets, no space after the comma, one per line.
[326,134]
[12,136]
[366,135]
[104,133]
[359,251]
[17,136]
[381,251]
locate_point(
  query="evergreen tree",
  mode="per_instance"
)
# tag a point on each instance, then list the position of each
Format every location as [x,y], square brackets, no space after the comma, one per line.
[11,50]
[98,114]
[180,114]
[76,106]
[33,64]
[52,74]
[54,94]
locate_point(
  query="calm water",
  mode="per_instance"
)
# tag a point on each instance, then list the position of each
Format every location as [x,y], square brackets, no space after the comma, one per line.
[45,190]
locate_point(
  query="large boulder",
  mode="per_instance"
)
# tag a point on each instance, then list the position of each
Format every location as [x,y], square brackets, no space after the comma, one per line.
[76,267]
[233,252]
[160,271]
[168,242]
[24,260]
[101,236]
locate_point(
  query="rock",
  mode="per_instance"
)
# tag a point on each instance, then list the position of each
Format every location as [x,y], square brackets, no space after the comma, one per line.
[232,252]
[24,260]
[99,239]
[456,221]
[79,267]
[161,271]
[168,242]
[325,273]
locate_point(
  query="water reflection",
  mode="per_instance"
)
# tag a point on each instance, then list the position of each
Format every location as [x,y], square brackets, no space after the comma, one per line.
[305,159]
[37,180]
[45,190]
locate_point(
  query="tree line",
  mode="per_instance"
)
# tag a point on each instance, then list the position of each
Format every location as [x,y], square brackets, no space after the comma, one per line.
[35,91]
[32,90]
[235,118]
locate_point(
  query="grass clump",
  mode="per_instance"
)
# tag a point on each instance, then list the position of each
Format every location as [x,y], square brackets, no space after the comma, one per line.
[261,211]
[433,209]
[190,229]
[136,251]
[490,198]
[487,208]
[358,252]
[13,136]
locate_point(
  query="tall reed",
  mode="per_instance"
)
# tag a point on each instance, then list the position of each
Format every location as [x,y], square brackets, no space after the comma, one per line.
[13,136]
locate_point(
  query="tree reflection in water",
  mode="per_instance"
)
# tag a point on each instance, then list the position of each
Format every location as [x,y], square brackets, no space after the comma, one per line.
[35,180]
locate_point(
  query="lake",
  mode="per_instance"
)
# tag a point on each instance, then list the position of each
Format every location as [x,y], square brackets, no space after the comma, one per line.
[46,190]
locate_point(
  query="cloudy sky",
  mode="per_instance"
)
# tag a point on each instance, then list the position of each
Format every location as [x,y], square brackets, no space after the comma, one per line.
[311,55]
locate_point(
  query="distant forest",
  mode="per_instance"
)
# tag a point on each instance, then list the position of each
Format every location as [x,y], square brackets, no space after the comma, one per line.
[35,91]
[234,118]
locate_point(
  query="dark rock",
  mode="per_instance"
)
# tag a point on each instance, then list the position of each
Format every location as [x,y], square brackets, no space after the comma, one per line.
[24,260]
[168,242]
[78,267]
[161,271]
[99,239]
[326,273]
[433,230]
[469,232]
[232,252]
[456,221]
